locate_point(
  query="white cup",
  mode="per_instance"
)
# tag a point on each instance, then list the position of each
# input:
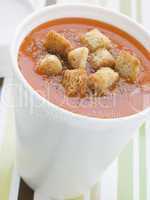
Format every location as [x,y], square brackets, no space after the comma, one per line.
[59,153]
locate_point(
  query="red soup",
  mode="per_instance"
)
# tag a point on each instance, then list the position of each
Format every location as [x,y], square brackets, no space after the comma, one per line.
[123,99]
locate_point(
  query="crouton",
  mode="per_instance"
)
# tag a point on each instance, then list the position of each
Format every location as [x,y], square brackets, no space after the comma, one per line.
[57,44]
[50,65]
[78,57]
[75,82]
[102,80]
[127,65]
[102,58]
[94,39]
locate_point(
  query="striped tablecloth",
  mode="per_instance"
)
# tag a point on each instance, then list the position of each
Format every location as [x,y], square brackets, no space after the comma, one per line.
[128,178]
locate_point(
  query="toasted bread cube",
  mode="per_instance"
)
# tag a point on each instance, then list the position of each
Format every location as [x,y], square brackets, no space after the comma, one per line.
[78,57]
[57,44]
[50,65]
[75,82]
[128,66]
[102,80]
[102,58]
[94,39]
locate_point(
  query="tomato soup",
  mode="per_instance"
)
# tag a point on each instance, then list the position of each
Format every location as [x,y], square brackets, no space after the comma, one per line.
[123,100]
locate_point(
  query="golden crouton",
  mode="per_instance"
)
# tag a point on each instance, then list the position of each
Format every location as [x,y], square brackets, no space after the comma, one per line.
[128,66]
[78,57]
[102,58]
[94,39]
[102,80]
[57,44]
[50,65]
[75,82]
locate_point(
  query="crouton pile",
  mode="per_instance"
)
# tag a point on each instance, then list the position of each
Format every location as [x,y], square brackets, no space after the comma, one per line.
[95,50]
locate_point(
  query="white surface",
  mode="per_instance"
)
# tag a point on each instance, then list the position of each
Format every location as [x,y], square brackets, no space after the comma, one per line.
[148,158]
[109,180]
[12,12]
[15,184]
[37,4]
[78,1]
[145,13]
[3,112]
[136,168]
[5,63]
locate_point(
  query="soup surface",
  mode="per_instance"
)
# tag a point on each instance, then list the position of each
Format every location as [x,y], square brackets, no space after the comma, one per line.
[123,100]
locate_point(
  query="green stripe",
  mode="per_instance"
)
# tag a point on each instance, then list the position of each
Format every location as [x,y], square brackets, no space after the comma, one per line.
[125,7]
[138,11]
[95,191]
[142,164]
[76,198]
[6,159]
[125,173]
[5,169]
[102,2]
[5,183]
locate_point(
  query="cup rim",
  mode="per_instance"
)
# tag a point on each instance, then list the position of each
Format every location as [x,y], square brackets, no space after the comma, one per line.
[66,112]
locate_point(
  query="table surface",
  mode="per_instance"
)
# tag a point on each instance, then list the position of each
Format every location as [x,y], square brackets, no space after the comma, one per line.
[25,193]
